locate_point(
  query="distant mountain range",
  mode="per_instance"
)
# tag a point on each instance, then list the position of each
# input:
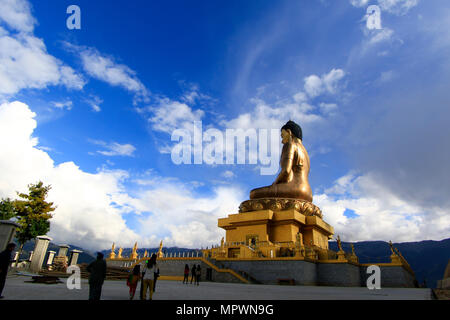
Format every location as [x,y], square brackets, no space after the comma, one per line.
[427,258]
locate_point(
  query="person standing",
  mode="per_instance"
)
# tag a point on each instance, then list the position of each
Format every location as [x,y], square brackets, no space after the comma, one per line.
[186,274]
[155,278]
[198,273]
[133,280]
[193,273]
[5,260]
[150,269]
[97,270]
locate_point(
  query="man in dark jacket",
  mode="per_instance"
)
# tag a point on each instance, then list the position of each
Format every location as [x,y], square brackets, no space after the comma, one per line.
[97,270]
[5,260]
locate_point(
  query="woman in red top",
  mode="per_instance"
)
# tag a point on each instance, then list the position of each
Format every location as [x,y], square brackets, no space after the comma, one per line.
[133,280]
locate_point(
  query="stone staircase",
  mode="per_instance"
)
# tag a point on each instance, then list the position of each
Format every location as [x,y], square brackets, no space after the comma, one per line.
[243,274]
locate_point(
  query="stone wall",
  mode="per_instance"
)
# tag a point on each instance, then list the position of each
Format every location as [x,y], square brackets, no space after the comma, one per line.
[302,272]
[269,271]
[338,274]
[391,277]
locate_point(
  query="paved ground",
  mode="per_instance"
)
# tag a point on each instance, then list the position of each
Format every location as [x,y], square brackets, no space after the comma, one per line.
[18,289]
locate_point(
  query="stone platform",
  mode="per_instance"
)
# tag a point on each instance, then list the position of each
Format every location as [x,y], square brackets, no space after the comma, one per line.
[17,288]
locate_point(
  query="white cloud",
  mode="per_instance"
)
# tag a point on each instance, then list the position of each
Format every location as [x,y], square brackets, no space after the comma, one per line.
[115,149]
[328,108]
[185,218]
[328,83]
[94,102]
[25,63]
[17,15]
[381,215]
[63,105]
[228,174]
[169,115]
[84,200]
[398,7]
[24,60]
[378,36]
[104,68]
[359,3]
[91,208]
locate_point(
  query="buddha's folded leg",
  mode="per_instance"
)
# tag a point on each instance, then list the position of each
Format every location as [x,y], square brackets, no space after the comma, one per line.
[264,192]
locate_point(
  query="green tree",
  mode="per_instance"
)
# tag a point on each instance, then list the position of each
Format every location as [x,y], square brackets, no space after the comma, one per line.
[7,209]
[33,213]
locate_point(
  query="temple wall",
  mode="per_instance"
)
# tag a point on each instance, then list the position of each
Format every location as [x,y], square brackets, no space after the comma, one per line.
[391,277]
[338,274]
[268,271]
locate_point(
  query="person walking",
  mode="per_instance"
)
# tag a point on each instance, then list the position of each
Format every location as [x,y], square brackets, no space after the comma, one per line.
[155,278]
[97,270]
[133,280]
[186,274]
[5,260]
[150,269]
[193,273]
[198,273]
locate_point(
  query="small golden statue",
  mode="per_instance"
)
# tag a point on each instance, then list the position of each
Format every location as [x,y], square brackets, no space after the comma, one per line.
[134,252]
[391,246]
[339,244]
[160,253]
[119,255]
[112,255]
[145,254]
[292,181]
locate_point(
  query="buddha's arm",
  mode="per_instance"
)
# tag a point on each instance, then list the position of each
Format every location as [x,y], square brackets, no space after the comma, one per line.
[287,156]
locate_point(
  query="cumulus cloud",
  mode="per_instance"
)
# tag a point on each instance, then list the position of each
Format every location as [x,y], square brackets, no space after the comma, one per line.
[24,60]
[327,83]
[17,15]
[379,213]
[93,209]
[84,200]
[189,220]
[168,115]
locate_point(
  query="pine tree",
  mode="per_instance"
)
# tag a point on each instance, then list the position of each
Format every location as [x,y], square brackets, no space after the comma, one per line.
[33,213]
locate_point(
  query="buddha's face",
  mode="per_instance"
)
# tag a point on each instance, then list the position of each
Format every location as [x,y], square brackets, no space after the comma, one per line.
[285,135]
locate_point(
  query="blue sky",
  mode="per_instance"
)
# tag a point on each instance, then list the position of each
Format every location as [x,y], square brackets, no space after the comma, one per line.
[103,101]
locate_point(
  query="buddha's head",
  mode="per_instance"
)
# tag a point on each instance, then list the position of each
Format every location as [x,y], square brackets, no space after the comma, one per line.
[290,130]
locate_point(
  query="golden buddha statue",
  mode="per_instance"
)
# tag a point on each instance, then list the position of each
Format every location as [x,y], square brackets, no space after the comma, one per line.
[292,181]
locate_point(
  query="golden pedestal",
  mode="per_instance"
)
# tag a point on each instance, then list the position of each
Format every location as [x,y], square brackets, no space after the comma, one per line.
[280,228]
